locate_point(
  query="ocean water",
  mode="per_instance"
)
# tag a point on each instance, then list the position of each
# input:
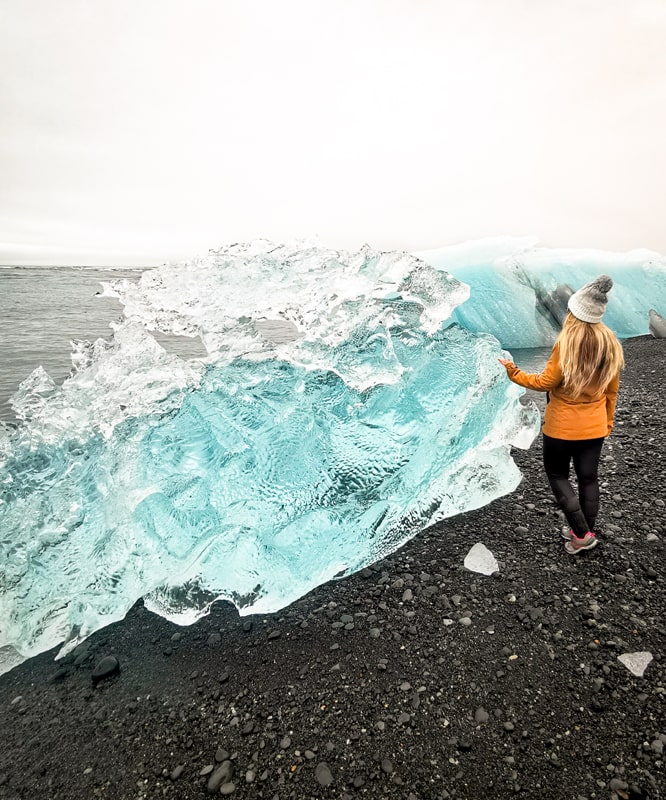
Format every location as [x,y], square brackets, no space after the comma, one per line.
[42,309]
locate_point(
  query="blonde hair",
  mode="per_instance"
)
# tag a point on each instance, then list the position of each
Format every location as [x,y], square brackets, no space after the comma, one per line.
[590,355]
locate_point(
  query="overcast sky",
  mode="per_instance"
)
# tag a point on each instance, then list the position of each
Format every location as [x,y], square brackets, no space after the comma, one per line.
[142,130]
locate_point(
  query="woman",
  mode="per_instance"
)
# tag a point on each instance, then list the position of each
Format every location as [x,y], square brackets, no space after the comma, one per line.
[581,377]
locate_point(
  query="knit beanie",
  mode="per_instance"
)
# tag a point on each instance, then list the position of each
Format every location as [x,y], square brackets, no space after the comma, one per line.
[589,303]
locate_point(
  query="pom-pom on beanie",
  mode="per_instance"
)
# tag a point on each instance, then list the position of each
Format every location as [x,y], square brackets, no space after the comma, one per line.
[589,302]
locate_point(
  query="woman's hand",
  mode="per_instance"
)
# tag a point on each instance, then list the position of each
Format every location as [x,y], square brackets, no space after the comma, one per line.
[505,361]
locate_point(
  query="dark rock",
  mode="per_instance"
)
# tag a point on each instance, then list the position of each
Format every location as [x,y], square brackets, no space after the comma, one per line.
[105,668]
[323,774]
[58,675]
[223,774]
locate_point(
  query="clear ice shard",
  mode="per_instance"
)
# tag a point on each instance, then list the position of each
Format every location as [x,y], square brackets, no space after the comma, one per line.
[519,291]
[481,560]
[636,663]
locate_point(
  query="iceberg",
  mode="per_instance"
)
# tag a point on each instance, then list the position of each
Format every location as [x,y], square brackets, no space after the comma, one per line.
[519,291]
[337,412]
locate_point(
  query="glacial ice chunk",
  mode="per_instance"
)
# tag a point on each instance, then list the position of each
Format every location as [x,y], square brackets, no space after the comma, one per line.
[480,559]
[636,663]
[519,291]
[269,466]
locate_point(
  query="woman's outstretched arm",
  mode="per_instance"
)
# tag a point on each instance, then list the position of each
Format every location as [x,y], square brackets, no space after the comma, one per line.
[549,378]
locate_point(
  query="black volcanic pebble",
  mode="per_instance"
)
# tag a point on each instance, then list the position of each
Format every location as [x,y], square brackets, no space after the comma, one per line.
[223,774]
[105,668]
[59,675]
[323,774]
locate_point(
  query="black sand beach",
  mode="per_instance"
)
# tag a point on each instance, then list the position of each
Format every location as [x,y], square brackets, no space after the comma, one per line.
[412,679]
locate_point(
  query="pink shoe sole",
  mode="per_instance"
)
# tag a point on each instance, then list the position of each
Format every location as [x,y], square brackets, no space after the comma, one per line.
[576,545]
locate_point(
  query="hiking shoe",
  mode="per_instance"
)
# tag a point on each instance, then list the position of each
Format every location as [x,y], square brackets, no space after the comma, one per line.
[577,545]
[567,534]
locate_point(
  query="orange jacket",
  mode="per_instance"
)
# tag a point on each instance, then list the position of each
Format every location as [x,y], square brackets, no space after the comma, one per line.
[589,416]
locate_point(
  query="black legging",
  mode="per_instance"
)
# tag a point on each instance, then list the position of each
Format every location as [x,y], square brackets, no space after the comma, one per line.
[557,455]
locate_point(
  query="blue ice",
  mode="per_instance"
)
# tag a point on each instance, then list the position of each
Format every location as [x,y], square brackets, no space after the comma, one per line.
[518,290]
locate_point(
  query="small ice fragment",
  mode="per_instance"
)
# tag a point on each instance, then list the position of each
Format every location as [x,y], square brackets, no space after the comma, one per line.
[9,658]
[480,559]
[107,290]
[636,663]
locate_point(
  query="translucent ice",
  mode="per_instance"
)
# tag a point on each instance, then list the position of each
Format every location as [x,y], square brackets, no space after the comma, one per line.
[519,291]
[481,560]
[636,663]
[277,462]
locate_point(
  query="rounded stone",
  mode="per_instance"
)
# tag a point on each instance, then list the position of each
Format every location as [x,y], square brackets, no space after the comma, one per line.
[105,668]
[220,777]
[323,774]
